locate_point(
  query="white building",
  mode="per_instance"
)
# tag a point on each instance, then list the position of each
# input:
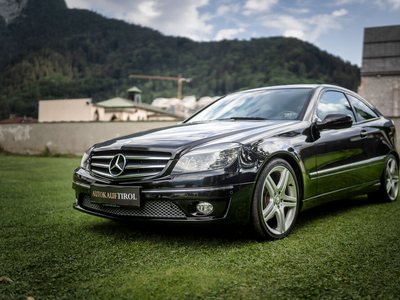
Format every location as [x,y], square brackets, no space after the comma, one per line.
[68,110]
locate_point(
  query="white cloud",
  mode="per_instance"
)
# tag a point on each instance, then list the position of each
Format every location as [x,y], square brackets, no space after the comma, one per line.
[224,10]
[84,4]
[227,14]
[380,4]
[179,18]
[228,34]
[297,10]
[345,2]
[284,22]
[323,23]
[391,4]
[339,13]
[394,3]
[171,17]
[196,19]
[148,9]
[105,7]
[308,29]
[253,7]
[294,33]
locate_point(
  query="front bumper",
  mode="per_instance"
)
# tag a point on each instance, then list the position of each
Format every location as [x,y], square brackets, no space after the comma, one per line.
[174,199]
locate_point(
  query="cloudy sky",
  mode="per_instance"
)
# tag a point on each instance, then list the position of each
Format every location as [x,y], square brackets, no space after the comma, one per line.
[333,25]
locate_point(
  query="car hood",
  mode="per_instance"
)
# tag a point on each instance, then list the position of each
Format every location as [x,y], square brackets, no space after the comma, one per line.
[181,137]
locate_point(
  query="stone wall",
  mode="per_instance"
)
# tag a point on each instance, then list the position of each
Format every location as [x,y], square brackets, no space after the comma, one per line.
[382,92]
[380,71]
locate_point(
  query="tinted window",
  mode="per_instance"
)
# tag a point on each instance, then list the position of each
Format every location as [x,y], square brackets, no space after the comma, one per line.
[333,103]
[285,104]
[363,112]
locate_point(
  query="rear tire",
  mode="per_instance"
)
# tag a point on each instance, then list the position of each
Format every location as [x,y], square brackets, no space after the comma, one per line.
[390,180]
[276,200]
[389,189]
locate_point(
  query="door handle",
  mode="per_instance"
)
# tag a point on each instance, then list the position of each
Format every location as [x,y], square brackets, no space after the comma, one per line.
[363,133]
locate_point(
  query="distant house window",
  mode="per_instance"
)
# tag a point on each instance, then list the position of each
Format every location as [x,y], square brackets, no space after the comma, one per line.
[96,115]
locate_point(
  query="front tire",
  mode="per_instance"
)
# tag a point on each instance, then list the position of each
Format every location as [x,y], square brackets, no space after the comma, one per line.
[276,200]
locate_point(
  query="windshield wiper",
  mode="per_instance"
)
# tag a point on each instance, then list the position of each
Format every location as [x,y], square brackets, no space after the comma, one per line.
[246,118]
[224,119]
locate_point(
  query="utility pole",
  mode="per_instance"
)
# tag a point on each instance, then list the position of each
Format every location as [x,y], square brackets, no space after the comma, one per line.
[179,79]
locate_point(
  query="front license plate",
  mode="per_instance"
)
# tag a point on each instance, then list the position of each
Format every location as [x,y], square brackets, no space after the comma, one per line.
[118,195]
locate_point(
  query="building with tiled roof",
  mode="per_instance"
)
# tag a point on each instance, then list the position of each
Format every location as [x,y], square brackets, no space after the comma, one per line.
[14,119]
[127,110]
[114,109]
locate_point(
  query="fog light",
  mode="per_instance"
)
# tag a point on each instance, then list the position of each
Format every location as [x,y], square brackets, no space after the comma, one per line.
[204,208]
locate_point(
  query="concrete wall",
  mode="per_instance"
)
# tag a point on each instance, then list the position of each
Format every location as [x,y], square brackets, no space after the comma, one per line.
[73,138]
[76,138]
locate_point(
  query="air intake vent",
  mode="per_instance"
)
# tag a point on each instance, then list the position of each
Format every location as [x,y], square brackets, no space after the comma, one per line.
[151,209]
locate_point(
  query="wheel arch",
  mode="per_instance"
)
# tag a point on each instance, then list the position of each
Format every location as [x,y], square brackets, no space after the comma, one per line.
[293,163]
[396,155]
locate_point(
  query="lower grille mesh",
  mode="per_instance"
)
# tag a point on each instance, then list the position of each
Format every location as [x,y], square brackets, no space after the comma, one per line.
[150,209]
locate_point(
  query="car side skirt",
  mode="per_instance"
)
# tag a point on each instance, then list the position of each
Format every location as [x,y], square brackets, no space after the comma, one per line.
[360,189]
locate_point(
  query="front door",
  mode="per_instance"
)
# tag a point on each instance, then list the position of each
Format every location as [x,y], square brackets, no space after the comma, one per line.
[341,154]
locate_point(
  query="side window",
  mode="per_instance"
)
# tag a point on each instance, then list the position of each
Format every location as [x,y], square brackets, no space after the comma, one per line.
[363,112]
[333,103]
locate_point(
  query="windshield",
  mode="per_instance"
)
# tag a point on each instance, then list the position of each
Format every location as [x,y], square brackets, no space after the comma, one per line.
[282,104]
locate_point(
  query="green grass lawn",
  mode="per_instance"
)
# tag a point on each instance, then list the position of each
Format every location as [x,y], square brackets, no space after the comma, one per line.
[345,249]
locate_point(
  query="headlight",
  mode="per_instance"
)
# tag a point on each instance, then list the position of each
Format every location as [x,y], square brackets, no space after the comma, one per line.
[207,158]
[85,157]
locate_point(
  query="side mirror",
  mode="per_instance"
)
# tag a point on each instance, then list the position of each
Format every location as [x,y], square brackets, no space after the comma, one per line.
[335,121]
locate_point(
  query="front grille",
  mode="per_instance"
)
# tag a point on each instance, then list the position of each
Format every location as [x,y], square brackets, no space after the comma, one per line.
[139,164]
[151,209]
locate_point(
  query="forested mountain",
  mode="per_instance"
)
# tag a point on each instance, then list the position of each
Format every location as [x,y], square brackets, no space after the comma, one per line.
[52,52]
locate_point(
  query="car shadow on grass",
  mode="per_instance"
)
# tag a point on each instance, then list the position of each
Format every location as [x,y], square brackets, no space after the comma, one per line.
[339,206]
[335,208]
[187,233]
[210,234]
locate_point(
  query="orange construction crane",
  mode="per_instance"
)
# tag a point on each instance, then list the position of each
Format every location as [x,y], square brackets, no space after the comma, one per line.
[179,79]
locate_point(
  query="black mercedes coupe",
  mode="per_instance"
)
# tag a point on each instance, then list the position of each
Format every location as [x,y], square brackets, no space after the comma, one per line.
[254,157]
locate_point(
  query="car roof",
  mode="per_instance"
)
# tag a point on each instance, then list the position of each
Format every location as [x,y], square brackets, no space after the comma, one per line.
[296,86]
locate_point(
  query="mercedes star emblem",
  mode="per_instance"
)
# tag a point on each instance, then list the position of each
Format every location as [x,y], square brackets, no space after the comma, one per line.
[117,165]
